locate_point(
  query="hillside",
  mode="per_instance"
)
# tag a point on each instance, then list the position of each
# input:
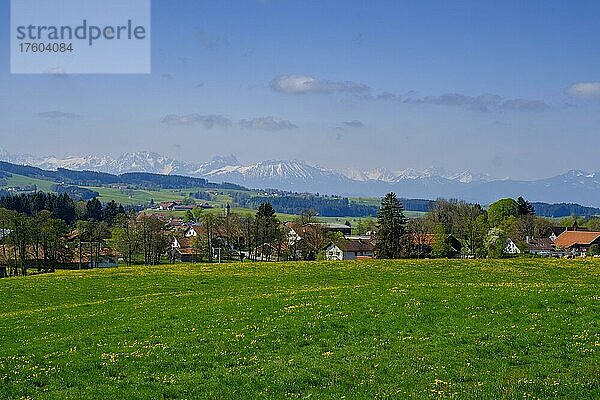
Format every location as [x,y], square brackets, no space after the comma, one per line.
[509,329]
[574,186]
[139,189]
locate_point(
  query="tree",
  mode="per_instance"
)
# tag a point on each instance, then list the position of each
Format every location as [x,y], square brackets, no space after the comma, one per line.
[210,223]
[417,245]
[495,243]
[64,209]
[365,225]
[267,228]
[308,216]
[501,210]
[19,238]
[125,237]
[314,238]
[188,217]
[525,227]
[201,248]
[93,210]
[444,212]
[197,213]
[391,227]
[49,244]
[247,238]
[152,238]
[80,210]
[470,227]
[524,207]
[594,250]
[542,227]
[15,228]
[441,247]
[111,210]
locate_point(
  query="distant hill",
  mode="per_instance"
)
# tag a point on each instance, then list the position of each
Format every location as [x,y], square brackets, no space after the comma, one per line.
[564,210]
[93,178]
[69,181]
[574,186]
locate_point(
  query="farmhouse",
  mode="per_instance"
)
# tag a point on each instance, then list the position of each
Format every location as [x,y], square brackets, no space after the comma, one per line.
[541,246]
[182,250]
[511,247]
[350,249]
[577,242]
[193,231]
[557,230]
[89,253]
[168,205]
[331,227]
[424,242]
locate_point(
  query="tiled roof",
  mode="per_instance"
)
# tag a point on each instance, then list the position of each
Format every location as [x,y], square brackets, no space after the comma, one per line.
[570,238]
[354,245]
[541,244]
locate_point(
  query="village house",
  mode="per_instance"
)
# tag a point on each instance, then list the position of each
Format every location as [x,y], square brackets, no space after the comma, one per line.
[89,254]
[167,205]
[577,242]
[350,249]
[557,230]
[541,246]
[330,227]
[424,242]
[292,237]
[182,250]
[511,248]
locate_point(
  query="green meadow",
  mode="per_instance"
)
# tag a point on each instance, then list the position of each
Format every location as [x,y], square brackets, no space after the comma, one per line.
[431,329]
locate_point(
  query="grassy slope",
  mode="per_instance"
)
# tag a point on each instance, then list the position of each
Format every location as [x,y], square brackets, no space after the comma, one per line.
[429,329]
[19,180]
[142,197]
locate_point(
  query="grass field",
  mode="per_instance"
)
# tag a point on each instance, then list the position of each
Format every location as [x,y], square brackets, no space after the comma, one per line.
[409,329]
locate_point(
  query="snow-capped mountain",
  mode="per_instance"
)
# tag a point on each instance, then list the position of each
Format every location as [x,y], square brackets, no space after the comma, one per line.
[218,162]
[279,174]
[228,167]
[300,176]
[128,162]
[385,175]
[151,162]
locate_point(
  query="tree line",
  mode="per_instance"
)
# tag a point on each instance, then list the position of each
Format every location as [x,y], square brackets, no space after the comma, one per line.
[482,233]
[37,231]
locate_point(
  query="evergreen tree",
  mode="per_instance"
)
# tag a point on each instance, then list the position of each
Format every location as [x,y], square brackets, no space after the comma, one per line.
[111,210]
[391,227]
[94,210]
[64,209]
[266,227]
[524,207]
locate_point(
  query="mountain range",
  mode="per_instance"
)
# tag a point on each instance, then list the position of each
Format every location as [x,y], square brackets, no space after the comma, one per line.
[301,176]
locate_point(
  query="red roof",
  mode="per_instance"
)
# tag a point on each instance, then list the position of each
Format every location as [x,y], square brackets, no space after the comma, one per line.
[570,238]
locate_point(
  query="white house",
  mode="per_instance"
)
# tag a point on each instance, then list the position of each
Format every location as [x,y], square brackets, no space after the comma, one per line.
[511,248]
[349,249]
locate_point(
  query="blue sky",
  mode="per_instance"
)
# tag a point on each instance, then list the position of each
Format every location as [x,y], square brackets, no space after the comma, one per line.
[508,88]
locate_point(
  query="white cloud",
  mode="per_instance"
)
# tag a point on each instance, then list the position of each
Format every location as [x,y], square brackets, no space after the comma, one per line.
[354,124]
[585,90]
[267,124]
[525,105]
[54,115]
[207,121]
[303,84]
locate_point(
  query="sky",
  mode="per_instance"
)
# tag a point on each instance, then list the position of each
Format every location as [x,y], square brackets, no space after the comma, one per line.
[507,88]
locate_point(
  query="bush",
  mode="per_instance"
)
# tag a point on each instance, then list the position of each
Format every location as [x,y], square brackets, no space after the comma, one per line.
[594,250]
